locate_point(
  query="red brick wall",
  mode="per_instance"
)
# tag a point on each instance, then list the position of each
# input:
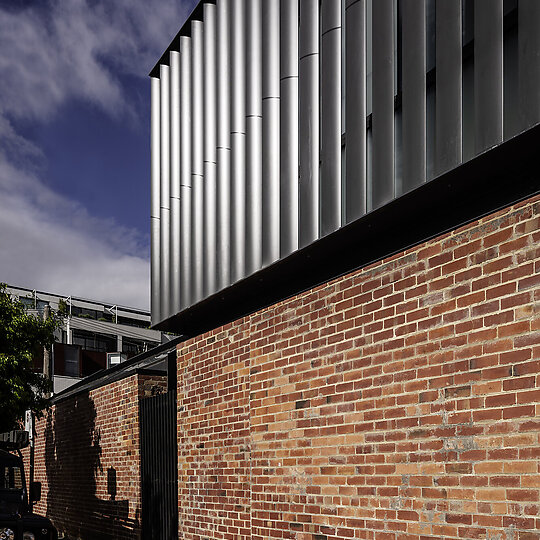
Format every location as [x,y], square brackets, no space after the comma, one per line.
[214,435]
[87,458]
[400,401]
[152,385]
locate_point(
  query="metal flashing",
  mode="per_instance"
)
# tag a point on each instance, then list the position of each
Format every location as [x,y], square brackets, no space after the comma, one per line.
[492,180]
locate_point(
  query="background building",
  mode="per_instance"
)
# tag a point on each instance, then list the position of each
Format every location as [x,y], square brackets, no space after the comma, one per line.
[93,335]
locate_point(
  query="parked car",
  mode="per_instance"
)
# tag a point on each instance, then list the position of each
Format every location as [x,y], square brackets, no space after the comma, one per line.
[17,521]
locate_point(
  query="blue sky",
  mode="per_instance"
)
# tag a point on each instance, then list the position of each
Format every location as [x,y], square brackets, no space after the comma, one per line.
[74,143]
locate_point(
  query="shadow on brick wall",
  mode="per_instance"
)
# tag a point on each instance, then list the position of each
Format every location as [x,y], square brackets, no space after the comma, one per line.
[73,463]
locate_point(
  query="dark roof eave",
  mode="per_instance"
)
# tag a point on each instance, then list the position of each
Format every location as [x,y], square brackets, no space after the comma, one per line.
[492,180]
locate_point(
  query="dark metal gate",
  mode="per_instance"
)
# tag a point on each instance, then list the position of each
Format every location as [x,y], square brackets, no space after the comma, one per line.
[159,475]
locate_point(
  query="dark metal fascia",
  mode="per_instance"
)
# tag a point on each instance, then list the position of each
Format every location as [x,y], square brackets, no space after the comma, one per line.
[150,371]
[492,180]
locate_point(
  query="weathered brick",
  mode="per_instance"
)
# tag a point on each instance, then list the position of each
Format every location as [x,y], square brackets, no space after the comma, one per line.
[400,401]
[80,441]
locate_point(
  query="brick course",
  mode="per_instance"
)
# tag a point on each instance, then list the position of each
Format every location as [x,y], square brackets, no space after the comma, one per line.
[399,401]
[87,458]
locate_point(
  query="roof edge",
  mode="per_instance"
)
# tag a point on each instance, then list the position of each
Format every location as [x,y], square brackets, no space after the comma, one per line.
[493,180]
[185,30]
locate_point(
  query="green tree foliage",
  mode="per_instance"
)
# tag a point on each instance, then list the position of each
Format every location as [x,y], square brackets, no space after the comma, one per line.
[63,308]
[22,335]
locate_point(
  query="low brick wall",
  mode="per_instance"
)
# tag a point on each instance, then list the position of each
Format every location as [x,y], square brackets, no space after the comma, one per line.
[87,458]
[400,401]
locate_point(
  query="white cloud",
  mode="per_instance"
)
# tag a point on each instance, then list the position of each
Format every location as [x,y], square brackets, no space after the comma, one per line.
[51,243]
[19,148]
[50,53]
[77,48]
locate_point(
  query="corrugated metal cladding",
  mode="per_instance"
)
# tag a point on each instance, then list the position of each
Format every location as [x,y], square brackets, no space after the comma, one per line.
[277,122]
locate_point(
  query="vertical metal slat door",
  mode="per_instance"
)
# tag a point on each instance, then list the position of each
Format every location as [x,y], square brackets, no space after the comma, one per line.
[158,467]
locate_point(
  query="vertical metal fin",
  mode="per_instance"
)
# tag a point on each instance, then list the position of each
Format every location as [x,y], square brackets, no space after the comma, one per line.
[529,62]
[174,239]
[185,172]
[210,158]
[488,73]
[254,137]
[355,106]
[289,127]
[309,121]
[165,260]
[383,103]
[414,93]
[223,147]
[197,162]
[270,151]
[238,139]
[330,116]
[155,204]
[448,100]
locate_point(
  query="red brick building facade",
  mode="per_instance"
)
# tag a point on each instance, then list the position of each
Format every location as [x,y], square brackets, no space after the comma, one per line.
[400,401]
